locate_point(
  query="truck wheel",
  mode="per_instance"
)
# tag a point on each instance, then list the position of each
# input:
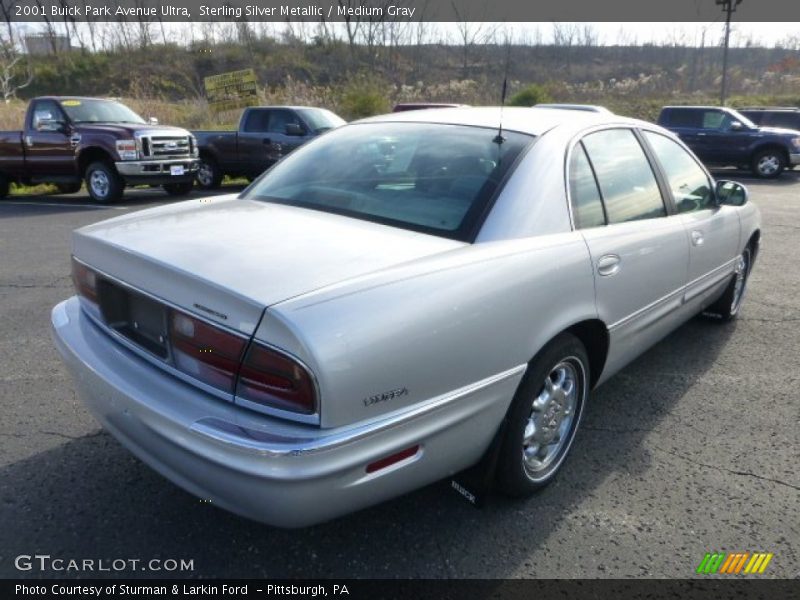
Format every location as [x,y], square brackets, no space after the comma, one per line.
[103,183]
[769,163]
[179,189]
[209,175]
[68,188]
[5,184]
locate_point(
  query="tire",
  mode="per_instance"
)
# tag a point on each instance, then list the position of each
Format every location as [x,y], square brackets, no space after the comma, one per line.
[179,189]
[728,306]
[68,188]
[5,186]
[545,414]
[768,163]
[103,183]
[209,175]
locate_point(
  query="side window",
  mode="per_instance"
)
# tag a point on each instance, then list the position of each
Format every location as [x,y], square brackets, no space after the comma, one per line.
[713,119]
[279,119]
[690,186]
[257,121]
[587,205]
[684,117]
[627,183]
[45,110]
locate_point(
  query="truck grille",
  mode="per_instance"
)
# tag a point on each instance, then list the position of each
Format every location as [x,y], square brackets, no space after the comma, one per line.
[163,146]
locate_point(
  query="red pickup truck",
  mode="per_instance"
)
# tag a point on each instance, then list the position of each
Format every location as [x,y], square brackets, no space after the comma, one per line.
[69,140]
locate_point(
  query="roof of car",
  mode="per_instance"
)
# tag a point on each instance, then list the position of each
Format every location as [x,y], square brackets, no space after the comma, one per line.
[533,121]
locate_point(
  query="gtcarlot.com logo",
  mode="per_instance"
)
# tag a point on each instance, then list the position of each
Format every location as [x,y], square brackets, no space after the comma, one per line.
[46,562]
[734,563]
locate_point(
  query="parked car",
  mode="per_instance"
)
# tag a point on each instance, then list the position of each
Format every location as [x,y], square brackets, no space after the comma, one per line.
[396,299]
[584,107]
[787,117]
[404,106]
[725,137]
[266,134]
[68,139]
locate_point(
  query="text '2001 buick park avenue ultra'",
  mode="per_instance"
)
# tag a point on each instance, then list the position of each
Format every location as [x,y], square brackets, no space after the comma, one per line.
[394,299]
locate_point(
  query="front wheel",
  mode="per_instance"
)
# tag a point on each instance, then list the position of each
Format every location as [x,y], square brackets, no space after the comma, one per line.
[769,163]
[104,183]
[544,417]
[727,307]
[179,189]
[209,175]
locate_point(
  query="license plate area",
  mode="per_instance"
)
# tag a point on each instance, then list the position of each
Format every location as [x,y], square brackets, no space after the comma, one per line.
[176,170]
[142,320]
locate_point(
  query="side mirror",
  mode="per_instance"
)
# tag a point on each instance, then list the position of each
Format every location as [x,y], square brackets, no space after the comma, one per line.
[152,121]
[51,125]
[731,193]
[294,129]
[737,126]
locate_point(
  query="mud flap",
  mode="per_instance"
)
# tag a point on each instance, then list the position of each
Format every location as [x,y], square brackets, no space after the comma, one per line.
[475,483]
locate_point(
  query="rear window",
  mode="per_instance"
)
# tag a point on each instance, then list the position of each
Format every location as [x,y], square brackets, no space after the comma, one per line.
[427,177]
[682,117]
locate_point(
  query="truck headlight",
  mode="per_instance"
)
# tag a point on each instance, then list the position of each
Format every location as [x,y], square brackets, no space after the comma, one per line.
[126,149]
[193,149]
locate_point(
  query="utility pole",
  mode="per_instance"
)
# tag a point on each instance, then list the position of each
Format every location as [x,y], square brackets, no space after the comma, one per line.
[729,6]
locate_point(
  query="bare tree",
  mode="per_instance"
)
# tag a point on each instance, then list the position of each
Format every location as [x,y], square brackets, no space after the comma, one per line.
[471,33]
[15,72]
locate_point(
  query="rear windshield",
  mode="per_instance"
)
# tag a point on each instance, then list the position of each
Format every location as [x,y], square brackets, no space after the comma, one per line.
[427,177]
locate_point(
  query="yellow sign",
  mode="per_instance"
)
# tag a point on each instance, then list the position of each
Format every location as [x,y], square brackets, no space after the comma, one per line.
[229,91]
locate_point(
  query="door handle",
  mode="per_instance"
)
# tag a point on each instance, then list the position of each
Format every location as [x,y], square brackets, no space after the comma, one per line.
[697,238]
[701,133]
[29,141]
[608,265]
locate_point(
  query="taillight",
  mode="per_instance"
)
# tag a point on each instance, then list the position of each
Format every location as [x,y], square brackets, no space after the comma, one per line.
[273,379]
[85,281]
[205,352]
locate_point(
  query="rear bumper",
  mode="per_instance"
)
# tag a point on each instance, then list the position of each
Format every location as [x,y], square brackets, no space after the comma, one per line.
[280,473]
[157,171]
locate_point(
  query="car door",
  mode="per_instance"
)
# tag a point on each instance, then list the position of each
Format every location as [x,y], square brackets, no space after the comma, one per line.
[48,153]
[255,142]
[280,122]
[686,123]
[720,143]
[713,229]
[639,250]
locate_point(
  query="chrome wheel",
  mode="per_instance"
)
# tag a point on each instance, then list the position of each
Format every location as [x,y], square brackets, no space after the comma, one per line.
[98,180]
[205,174]
[768,164]
[740,280]
[550,424]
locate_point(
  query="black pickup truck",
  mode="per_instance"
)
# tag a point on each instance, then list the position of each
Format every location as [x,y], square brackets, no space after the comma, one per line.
[725,137]
[265,135]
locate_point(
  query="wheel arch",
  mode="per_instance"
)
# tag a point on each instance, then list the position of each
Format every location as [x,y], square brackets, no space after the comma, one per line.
[771,146]
[90,155]
[594,336]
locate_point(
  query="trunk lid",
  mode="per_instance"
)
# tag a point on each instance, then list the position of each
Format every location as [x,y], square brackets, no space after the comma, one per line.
[227,259]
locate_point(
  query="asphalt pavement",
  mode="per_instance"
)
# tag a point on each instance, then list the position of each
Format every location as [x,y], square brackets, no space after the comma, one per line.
[693,448]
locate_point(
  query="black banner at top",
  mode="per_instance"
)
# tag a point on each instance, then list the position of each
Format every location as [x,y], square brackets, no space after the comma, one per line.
[397,10]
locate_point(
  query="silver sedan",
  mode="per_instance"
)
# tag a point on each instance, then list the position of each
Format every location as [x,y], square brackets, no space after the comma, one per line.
[395,301]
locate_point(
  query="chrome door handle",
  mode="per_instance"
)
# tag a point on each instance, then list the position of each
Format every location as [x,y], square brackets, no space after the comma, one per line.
[608,265]
[697,238]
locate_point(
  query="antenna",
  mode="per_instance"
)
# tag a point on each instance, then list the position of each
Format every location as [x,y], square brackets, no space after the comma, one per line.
[499,139]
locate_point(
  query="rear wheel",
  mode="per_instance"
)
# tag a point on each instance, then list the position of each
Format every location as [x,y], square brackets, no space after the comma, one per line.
[544,417]
[103,183]
[5,186]
[68,188]
[769,163]
[209,175]
[727,307]
[179,189]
